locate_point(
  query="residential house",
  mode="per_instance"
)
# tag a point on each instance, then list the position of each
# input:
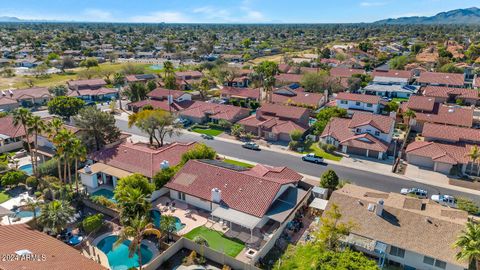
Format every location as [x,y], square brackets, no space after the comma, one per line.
[444,147]
[241,79]
[428,111]
[185,79]
[276,122]
[30,97]
[91,90]
[125,158]
[8,104]
[358,102]
[339,72]
[202,112]
[402,77]
[28,62]
[452,95]
[255,199]
[390,90]
[11,136]
[159,99]
[285,79]
[144,78]
[399,230]
[240,93]
[40,251]
[365,134]
[299,97]
[441,79]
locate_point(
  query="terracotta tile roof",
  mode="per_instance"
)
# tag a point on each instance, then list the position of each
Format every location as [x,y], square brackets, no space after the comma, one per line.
[289,78]
[380,122]
[442,152]
[445,92]
[476,82]
[405,74]
[284,68]
[139,158]
[416,225]
[215,111]
[189,73]
[441,78]
[282,111]
[358,97]
[300,97]
[365,141]
[242,191]
[160,93]
[450,133]
[241,92]
[87,83]
[345,72]
[35,92]
[59,256]
[7,101]
[92,92]
[420,103]
[8,129]
[283,175]
[448,115]
[162,104]
[338,128]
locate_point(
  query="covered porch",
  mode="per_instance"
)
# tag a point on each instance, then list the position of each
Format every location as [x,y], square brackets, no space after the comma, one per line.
[100,174]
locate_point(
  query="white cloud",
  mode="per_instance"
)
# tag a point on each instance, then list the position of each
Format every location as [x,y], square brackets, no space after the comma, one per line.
[162,16]
[97,15]
[372,4]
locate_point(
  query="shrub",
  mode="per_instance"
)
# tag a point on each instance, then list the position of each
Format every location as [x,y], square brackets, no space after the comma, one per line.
[331,148]
[38,194]
[48,168]
[32,182]
[214,126]
[163,176]
[103,201]
[13,178]
[147,107]
[92,223]
[468,205]
[329,180]
[200,151]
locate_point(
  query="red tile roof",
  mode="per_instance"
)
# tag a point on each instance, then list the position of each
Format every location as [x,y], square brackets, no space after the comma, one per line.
[441,78]
[241,92]
[282,175]
[380,122]
[7,101]
[448,115]
[405,74]
[289,78]
[87,83]
[300,97]
[345,72]
[35,92]
[441,152]
[420,103]
[445,92]
[282,111]
[242,191]
[160,93]
[8,129]
[139,158]
[92,92]
[365,141]
[189,73]
[163,104]
[450,133]
[58,255]
[358,97]
[215,111]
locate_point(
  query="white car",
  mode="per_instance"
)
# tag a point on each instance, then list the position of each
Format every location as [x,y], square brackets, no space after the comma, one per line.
[312,158]
[446,200]
[417,192]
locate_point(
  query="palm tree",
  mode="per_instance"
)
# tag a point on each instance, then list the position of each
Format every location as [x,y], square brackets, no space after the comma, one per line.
[35,126]
[469,244]
[473,155]
[132,202]
[56,215]
[62,143]
[135,232]
[168,225]
[78,152]
[53,128]
[31,205]
[21,116]
[409,114]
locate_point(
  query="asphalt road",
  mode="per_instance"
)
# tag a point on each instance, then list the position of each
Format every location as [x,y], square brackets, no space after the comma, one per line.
[359,177]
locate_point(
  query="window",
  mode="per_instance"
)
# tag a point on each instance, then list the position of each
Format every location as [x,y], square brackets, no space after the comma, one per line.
[396,251]
[428,260]
[377,133]
[440,264]
[357,103]
[358,130]
[343,102]
[181,196]
[369,105]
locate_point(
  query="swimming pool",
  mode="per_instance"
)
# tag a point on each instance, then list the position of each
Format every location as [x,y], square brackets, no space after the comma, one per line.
[27,168]
[118,256]
[157,217]
[27,213]
[105,193]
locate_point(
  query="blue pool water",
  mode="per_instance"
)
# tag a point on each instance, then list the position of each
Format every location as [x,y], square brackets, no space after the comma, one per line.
[118,256]
[157,217]
[156,67]
[105,193]
[27,168]
[27,214]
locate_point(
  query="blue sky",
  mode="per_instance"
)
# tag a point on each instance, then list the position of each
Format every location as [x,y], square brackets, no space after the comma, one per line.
[227,11]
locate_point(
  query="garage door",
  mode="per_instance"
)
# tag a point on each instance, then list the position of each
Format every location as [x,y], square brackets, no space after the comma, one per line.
[373,154]
[356,151]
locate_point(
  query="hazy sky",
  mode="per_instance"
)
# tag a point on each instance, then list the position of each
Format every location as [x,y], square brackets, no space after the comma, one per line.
[227,11]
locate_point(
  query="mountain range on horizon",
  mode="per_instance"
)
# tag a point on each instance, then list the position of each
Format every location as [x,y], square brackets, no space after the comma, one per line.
[458,16]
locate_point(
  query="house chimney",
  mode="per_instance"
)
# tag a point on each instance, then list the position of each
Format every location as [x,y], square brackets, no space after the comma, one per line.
[216,195]
[379,208]
[170,99]
[10,92]
[325,93]
[88,169]
[164,164]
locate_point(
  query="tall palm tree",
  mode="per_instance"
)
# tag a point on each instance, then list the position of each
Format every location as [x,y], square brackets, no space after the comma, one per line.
[408,115]
[132,202]
[135,232]
[35,127]
[78,152]
[469,244]
[167,225]
[56,215]
[53,128]
[21,116]
[473,155]
[62,143]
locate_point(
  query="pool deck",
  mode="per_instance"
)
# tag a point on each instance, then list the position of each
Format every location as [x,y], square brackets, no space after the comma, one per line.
[180,210]
[16,201]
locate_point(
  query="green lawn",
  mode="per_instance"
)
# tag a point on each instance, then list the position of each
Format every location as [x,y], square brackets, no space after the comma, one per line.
[238,163]
[398,100]
[209,131]
[314,148]
[4,196]
[217,241]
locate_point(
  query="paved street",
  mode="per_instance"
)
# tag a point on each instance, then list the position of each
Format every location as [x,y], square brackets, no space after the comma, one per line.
[359,177]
